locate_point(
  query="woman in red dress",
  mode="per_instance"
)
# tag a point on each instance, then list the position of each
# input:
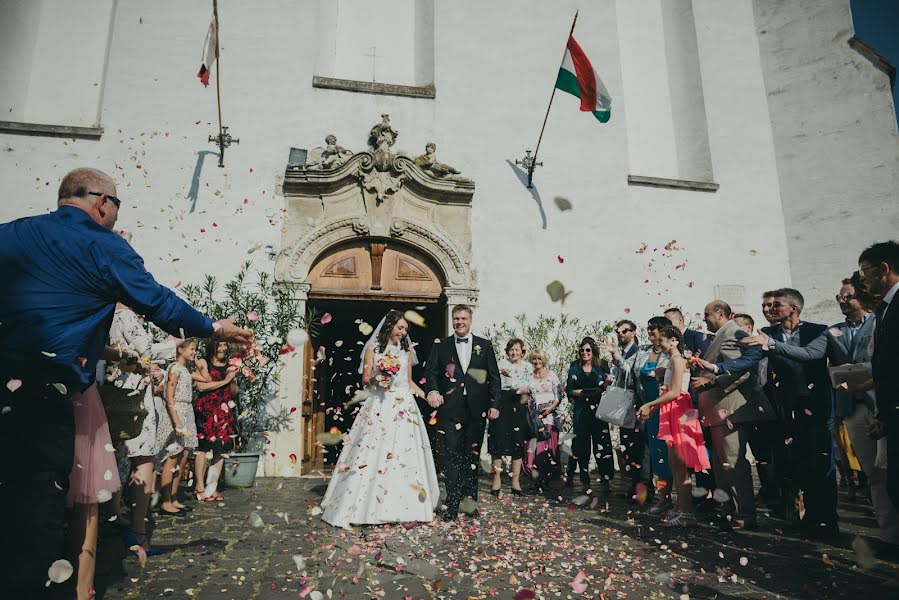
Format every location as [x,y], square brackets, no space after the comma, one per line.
[216,418]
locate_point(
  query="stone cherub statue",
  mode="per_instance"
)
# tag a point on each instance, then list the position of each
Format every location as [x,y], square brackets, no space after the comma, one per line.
[429,164]
[328,158]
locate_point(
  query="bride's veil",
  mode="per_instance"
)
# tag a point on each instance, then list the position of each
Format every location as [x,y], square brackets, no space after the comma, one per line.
[373,342]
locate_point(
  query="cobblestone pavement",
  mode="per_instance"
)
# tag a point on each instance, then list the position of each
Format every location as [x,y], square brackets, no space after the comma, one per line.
[533,546]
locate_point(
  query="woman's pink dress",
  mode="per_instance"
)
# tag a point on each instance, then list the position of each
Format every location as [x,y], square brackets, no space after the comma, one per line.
[94,476]
[681,430]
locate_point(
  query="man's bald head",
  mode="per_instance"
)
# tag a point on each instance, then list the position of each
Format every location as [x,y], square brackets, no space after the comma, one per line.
[78,183]
[88,189]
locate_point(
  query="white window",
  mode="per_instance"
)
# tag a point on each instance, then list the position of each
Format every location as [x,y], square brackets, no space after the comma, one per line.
[53,60]
[376,42]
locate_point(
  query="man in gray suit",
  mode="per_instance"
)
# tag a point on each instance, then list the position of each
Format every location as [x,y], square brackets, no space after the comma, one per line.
[850,342]
[730,402]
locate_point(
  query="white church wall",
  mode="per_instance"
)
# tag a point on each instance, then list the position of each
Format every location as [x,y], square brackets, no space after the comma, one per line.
[836,143]
[495,64]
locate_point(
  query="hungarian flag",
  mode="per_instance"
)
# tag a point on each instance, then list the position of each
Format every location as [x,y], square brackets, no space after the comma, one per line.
[209,52]
[577,77]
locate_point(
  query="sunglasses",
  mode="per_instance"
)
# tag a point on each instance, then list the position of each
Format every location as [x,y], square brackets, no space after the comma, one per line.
[845,297]
[113,199]
[586,351]
[773,305]
[623,331]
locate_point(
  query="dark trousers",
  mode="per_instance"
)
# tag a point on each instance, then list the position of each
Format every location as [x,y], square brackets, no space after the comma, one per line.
[892,429]
[635,460]
[37,441]
[591,438]
[762,438]
[813,465]
[462,451]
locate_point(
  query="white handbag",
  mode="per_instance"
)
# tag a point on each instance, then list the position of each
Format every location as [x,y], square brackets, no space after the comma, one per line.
[616,406]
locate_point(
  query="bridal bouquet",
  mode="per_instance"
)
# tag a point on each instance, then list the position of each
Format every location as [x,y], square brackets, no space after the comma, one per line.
[387,367]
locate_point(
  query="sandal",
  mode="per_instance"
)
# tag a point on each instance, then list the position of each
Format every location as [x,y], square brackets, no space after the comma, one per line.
[202,497]
[216,497]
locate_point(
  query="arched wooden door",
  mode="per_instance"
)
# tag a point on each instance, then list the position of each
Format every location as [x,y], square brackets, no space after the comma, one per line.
[360,282]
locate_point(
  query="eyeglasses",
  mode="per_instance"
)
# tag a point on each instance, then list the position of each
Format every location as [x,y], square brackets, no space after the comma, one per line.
[845,297]
[586,351]
[862,270]
[113,199]
[623,331]
[767,305]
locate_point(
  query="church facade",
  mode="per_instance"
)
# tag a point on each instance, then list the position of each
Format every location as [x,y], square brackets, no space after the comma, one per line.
[378,153]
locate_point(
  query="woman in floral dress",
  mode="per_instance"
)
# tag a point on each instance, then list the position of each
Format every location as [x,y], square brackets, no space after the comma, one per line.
[216,424]
[546,392]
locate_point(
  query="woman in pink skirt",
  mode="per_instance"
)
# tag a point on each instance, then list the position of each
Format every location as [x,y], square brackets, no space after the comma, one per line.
[678,426]
[93,480]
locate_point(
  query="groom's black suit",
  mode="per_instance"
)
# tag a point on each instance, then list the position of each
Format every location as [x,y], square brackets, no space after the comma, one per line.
[462,417]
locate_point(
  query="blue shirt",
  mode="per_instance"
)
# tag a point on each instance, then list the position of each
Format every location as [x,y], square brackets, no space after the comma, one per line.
[62,274]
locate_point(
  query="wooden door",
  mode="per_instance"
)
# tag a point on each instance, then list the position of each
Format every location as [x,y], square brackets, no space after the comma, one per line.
[313,419]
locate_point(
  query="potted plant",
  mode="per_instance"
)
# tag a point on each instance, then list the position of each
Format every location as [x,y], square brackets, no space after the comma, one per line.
[271,313]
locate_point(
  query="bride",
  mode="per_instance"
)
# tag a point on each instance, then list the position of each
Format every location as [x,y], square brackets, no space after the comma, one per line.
[385,473]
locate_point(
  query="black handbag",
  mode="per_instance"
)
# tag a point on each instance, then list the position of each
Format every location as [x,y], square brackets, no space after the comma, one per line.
[125,411]
[536,427]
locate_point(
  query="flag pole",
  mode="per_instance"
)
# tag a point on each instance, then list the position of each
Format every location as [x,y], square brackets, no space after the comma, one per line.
[218,77]
[223,139]
[546,118]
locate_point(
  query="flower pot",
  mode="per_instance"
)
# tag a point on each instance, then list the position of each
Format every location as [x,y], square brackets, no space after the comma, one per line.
[240,469]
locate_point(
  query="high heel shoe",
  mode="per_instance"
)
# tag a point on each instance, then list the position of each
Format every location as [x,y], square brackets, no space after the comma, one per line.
[494,493]
[515,492]
[133,539]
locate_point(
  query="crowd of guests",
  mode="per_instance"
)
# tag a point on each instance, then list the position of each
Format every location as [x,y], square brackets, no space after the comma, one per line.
[710,402]
[68,339]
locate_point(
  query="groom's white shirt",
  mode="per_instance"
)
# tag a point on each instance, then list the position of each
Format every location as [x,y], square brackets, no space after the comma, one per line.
[463,350]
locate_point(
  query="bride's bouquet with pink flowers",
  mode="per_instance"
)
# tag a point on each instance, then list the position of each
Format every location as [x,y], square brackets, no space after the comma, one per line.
[387,367]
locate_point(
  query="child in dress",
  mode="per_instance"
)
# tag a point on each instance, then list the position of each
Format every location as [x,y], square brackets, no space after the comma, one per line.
[678,426]
[179,405]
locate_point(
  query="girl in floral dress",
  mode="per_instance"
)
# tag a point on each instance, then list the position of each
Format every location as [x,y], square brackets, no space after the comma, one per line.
[179,404]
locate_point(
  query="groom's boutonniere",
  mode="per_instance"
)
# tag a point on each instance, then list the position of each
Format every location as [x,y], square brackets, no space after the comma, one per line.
[477,350]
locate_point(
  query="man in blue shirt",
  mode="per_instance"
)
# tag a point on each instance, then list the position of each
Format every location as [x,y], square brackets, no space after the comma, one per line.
[63,273]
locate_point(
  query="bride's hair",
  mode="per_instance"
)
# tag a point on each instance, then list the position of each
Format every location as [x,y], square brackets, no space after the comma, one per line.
[393,317]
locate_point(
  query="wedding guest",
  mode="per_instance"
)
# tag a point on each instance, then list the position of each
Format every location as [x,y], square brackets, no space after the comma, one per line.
[679,426]
[546,392]
[697,342]
[762,434]
[69,269]
[215,417]
[844,343]
[633,439]
[509,432]
[804,393]
[179,405]
[651,364]
[592,437]
[730,401]
[878,266]
[91,482]
[129,334]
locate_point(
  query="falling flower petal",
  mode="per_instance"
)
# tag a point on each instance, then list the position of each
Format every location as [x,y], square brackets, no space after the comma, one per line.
[60,571]
[326,318]
[414,318]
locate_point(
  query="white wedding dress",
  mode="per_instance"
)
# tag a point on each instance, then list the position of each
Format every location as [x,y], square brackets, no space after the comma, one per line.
[385,473]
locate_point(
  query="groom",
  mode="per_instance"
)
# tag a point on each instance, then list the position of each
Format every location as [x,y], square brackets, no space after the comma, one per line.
[463,385]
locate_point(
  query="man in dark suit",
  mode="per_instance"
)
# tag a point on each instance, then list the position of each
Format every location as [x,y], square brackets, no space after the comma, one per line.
[463,384]
[844,343]
[879,270]
[804,398]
